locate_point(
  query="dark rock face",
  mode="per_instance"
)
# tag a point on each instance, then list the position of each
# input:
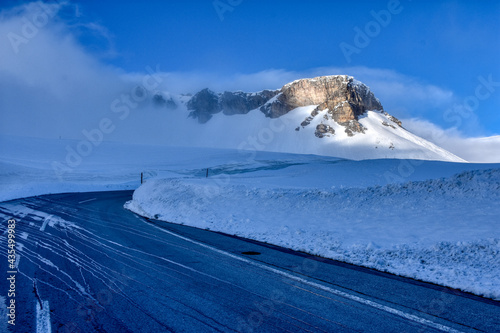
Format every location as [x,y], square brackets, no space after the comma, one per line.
[396,120]
[353,126]
[323,130]
[241,103]
[206,103]
[385,123]
[161,101]
[203,105]
[275,109]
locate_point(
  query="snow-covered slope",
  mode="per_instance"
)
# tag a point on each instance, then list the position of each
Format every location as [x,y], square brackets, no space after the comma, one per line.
[382,137]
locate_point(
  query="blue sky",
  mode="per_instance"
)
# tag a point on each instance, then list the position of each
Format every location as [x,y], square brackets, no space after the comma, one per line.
[436,52]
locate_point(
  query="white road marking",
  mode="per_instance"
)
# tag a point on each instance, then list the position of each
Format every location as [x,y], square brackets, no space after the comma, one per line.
[43,317]
[340,293]
[42,228]
[87,200]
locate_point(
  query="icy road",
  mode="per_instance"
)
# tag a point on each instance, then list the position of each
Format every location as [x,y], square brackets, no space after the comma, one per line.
[85,264]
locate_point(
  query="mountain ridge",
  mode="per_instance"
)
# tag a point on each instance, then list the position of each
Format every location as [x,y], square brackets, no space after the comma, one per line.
[333,115]
[345,97]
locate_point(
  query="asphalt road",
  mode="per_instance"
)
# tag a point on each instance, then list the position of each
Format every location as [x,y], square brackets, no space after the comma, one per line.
[85,264]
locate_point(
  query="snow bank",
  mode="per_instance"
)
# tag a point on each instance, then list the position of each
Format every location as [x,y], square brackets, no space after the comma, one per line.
[445,231]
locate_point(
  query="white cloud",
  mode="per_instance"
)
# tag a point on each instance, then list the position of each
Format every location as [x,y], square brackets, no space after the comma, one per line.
[49,85]
[480,149]
[192,82]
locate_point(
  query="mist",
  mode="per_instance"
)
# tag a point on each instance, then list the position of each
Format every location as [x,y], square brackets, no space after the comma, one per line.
[472,149]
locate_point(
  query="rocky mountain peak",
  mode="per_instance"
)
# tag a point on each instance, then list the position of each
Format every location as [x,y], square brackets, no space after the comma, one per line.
[345,98]
[203,105]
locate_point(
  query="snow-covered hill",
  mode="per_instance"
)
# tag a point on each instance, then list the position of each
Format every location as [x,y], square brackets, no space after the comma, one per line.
[332,115]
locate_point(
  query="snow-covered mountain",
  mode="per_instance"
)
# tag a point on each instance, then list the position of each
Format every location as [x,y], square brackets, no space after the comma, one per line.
[328,115]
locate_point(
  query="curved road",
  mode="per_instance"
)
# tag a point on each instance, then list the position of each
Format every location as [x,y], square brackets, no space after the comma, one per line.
[85,264]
